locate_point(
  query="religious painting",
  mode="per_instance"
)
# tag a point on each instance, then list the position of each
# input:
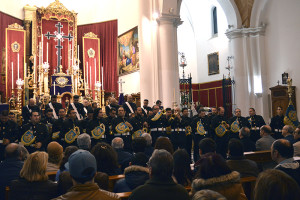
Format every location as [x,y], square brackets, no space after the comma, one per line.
[213,63]
[128,52]
[285,77]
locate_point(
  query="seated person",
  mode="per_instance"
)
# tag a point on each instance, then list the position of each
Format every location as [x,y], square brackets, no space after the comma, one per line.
[55,153]
[83,168]
[248,144]
[214,174]
[237,162]
[33,182]
[124,157]
[276,185]
[135,175]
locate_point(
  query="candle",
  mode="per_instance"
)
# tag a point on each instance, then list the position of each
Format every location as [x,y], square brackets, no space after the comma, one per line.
[95,72]
[54,87]
[25,71]
[12,75]
[34,66]
[40,57]
[18,66]
[70,58]
[78,53]
[42,49]
[47,52]
[102,76]
[87,72]
[91,77]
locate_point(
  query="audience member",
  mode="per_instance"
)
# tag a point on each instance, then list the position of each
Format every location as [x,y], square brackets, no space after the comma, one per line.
[276,185]
[206,145]
[287,133]
[248,144]
[164,143]
[296,145]
[84,141]
[182,167]
[237,162]
[55,153]
[64,183]
[214,174]
[102,180]
[107,159]
[149,149]
[124,157]
[208,195]
[83,167]
[160,186]
[10,168]
[139,144]
[266,140]
[135,175]
[68,151]
[282,153]
[33,182]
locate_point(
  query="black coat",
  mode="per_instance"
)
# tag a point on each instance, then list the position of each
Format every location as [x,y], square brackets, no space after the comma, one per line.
[22,189]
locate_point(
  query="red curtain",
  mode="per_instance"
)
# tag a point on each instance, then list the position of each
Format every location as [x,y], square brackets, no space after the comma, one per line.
[208,94]
[50,26]
[18,37]
[108,34]
[94,69]
[5,20]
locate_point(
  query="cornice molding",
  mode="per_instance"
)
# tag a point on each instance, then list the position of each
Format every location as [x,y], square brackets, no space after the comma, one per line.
[246,32]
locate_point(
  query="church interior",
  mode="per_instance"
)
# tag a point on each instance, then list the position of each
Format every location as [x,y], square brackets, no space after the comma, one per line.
[237,57]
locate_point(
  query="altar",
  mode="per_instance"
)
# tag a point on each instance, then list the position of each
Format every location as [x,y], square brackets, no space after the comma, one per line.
[60,84]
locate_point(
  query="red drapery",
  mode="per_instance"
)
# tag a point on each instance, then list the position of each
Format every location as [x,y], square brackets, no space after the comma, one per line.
[89,62]
[14,37]
[5,20]
[208,94]
[108,34]
[50,26]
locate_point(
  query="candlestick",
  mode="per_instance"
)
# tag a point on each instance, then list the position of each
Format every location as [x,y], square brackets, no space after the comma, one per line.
[42,49]
[47,52]
[34,69]
[12,75]
[78,53]
[40,57]
[54,87]
[102,77]
[18,66]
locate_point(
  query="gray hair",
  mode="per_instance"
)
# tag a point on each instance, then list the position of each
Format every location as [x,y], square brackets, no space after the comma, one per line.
[117,143]
[148,138]
[84,141]
[290,129]
[161,164]
[208,195]
[245,132]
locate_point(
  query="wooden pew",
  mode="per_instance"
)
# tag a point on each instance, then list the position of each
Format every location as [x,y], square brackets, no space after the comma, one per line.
[262,158]
[248,184]
[112,181]
[125,195]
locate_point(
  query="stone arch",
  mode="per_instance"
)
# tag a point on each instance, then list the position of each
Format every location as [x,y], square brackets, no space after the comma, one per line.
[257,12]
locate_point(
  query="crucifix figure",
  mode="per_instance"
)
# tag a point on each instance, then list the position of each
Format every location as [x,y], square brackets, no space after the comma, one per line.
[120,83]
[59,37]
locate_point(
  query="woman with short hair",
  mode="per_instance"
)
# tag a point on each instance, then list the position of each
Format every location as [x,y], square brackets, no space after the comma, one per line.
[33,182]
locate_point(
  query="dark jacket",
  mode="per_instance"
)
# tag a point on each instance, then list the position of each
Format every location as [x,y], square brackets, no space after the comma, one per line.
[242,165]
[134,176]
[159,190]
[290,167]
[248,144]
[89,191]
[9,170]
[228,185]
[124,158]
[22,189]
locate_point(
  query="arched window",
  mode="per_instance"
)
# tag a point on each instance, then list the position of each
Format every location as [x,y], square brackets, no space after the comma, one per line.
[214,21]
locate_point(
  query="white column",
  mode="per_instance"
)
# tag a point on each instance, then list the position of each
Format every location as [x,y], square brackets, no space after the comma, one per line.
[247,47]
[168,59]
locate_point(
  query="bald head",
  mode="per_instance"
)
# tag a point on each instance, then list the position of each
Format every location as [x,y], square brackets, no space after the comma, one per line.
[117,143]
[129,98]
[12,151]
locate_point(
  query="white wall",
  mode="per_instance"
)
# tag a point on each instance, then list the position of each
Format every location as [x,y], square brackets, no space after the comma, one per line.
[282,42]
[201,40]
[89,11]
[127,15]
